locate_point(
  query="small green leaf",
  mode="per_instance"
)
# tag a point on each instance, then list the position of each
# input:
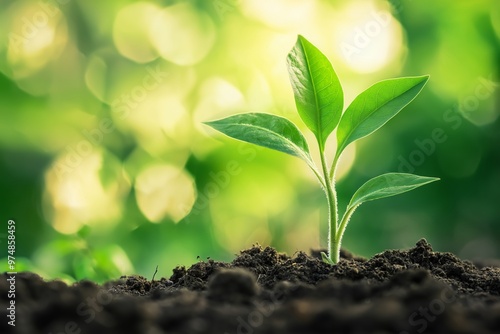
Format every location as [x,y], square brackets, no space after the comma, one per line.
[387,185]
[326,259]
[316,87]
[266,130]
[375,107]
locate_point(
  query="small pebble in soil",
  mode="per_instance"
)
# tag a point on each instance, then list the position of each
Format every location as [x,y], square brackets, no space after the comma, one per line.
[232,286]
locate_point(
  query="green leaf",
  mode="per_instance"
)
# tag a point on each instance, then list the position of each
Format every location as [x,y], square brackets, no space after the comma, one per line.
[326,259]
[375,106]
[316,87]
[266,130]
[387,185]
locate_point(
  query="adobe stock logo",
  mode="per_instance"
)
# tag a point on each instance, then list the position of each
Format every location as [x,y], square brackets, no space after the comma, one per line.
[421,318]
[364,35]
[31,26]
[87,310]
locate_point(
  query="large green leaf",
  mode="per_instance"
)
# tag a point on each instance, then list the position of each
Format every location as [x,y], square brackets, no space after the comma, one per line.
[265,130]
[375,106]
[316,87]
[387,185]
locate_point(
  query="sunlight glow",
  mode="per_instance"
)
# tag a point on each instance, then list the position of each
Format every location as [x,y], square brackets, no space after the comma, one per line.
[280,13]
[120,259]
[149,103]
[34,40]
[367,35]
[132,31]
[165,191]
[218,98]
[75,196]
[183,35]
[160,114]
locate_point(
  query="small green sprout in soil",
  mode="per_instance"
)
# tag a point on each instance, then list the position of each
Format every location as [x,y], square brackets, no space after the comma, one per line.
[320,101]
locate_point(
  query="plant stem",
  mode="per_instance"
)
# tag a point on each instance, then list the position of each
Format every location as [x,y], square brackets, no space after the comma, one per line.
[331,197]
[335,251]
[334,241]
[340,232]
[334,167]
[318,175]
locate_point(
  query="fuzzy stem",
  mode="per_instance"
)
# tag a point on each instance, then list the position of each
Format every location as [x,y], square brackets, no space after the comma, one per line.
[335,241]
[317,173]
[331,197]
[334,167]
[341,230]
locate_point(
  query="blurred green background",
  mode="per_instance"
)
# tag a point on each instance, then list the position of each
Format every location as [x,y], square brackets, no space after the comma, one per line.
[107,170]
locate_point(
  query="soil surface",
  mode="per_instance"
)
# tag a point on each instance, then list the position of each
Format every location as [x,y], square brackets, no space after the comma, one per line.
[262,291]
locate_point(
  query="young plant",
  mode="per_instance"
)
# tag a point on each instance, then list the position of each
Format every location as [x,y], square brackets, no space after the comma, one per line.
[320,101]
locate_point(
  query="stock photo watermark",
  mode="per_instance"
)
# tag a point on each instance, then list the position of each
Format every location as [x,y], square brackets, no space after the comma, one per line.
[253,320]
[364,34]
[88,311]
[32,24]
[121,107]
[453,118]
[421,318]
[11,273]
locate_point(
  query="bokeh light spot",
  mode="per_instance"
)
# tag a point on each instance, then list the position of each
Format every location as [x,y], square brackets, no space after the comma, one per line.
[368,36]
[218,98]
[285,14]
[165,191]
[183,35]
[132,30]
[35,38]
[75,192]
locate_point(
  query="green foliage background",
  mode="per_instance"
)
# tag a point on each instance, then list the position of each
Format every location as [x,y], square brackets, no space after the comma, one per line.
[107,170]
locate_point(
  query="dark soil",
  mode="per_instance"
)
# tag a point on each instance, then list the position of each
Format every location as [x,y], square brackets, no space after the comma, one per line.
[262,291]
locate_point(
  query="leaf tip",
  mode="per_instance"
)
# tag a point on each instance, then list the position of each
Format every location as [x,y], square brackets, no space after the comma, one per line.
[303,41]
[425,77]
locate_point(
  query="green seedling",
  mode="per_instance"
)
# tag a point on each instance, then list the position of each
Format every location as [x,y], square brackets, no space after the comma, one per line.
[320,101]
